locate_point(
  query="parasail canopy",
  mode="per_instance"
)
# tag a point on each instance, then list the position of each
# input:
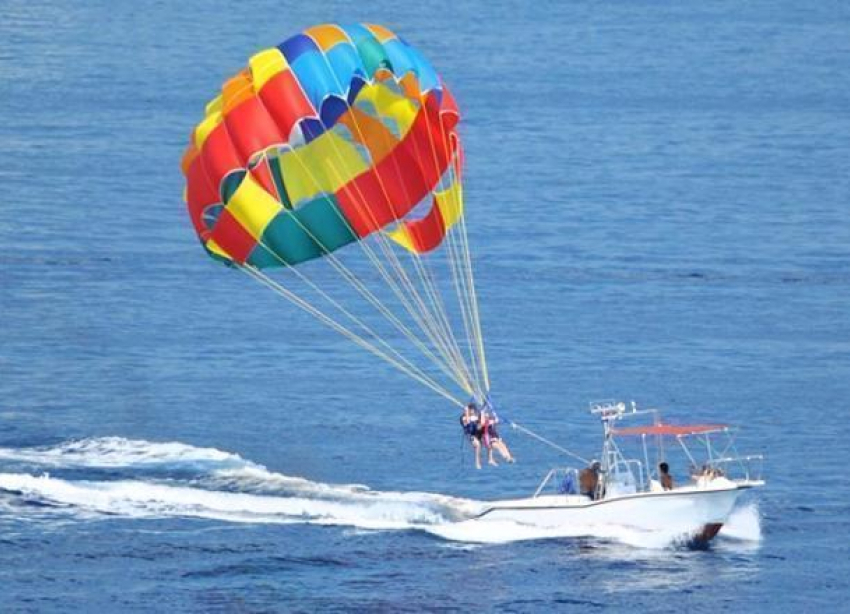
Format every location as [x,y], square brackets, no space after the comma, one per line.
[345,135]
[319,142]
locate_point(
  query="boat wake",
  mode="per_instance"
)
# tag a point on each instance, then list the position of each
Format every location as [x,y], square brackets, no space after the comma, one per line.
[115,477]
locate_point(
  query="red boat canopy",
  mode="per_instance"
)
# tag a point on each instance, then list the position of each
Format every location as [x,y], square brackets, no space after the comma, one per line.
[671,429]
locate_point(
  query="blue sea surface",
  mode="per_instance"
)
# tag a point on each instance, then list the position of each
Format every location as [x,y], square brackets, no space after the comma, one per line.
[658,203]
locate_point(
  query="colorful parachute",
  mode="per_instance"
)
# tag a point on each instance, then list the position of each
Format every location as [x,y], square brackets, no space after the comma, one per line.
[338,134]
[335,134]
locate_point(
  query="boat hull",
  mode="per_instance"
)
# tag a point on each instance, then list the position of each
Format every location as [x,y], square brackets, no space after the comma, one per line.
[698,513]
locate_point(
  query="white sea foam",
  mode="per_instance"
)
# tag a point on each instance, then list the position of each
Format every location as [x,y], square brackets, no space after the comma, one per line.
[110,452]
[230,488]
[138,499]
[236,490]
[744,523]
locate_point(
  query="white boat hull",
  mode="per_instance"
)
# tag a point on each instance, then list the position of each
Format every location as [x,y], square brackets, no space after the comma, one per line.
[699,512]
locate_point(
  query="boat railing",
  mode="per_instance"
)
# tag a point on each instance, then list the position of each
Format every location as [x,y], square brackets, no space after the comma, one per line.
[563,479]
[749,467]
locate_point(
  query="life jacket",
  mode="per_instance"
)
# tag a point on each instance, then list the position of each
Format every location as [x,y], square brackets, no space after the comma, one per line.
[472,425]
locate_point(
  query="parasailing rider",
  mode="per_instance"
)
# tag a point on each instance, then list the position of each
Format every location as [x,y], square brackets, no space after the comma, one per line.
[470,420]
[490,436]
[479,424]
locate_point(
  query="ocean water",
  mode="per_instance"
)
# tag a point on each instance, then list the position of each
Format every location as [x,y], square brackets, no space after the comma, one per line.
[658,200]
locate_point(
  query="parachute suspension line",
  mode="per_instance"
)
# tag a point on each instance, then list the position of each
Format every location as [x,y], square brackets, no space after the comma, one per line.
[459,376]
[439,337]
[425,277]
[352,279]
[384,311]
[471,293]
[424,320]
[469,308]
[428,274]
[439,332]
[470,285]
[479,336]
[342,309]
[447,334]
[362,325]
[425,273]
[279,289]
[460,292]
[386,247]
[440,322]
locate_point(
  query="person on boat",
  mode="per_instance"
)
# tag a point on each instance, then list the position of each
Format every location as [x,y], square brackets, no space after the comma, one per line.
[705,474]
[470,420]
[665,477]
[588,479]
[491,439]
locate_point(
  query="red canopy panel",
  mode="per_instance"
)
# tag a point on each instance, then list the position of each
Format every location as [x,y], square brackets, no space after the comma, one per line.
[671,429]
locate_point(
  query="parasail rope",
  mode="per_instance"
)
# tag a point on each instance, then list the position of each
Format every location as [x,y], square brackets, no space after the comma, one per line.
[470,309]
[471,292]
[448,336]
[459,290]
[440,322]
[443,338]
[475,310]
[548,442]
[472,295]
[436,327]
[354,281]
[359,322]
[452,260]
[424,318]
[461,373]
[436,299]
[351,278]
[340,328]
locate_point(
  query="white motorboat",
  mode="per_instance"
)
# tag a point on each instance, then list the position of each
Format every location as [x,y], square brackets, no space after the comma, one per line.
[626,491]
